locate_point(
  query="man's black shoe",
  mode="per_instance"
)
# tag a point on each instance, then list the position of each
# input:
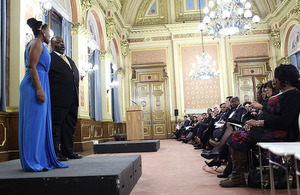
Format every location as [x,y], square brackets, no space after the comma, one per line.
[74,156]
[61,157]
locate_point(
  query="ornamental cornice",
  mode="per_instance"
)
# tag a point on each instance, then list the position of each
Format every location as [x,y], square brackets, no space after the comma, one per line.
[189,28]
[77,28]
[297,10]
[279,10]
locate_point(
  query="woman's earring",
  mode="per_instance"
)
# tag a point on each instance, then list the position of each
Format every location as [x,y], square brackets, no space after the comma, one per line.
[44,34]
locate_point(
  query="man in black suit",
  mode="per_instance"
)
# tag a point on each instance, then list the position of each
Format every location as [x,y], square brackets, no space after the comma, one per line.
[64,82]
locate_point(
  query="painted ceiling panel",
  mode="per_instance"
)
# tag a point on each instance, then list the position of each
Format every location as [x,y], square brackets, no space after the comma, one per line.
[147,12]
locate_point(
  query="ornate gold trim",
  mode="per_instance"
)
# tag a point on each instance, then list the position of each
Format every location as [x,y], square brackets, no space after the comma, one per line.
[84,117]
[124,47]
[105,55]
[86,5]
[284,60]
[12,109]
[107,120]
[275,36]
[9,151]
[5,138]
[77,28]
[161,18]
[110,27]
[83,142]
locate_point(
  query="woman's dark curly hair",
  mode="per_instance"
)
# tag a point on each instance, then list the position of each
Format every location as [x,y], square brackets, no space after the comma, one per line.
[36,25]
[287,74]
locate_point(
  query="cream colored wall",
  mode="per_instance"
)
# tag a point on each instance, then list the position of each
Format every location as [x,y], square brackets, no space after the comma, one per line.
[174,59]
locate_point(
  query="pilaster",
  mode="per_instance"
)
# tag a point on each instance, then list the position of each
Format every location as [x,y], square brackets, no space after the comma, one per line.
[79,56]
[105,59]
[17,48]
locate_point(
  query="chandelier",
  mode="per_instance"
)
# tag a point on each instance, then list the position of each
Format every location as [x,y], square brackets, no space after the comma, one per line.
[229,17]
[204,69]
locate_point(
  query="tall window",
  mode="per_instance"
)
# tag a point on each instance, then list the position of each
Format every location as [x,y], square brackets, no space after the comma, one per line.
[54,20]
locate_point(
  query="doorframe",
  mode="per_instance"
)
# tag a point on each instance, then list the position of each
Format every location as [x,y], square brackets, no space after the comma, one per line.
[251,66]
[159,74]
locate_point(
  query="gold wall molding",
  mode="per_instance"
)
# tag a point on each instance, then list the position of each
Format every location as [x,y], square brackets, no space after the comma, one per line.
[4,134]
[105,55]
[110,27]
[124,47]
[284,60]
[77,28]
[275,36]
[181,15]
[12,109]
[161,18]
[297,10]
[86,5]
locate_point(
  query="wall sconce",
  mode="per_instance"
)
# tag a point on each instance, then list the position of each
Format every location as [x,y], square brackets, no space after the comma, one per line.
[86,69]
[115,83]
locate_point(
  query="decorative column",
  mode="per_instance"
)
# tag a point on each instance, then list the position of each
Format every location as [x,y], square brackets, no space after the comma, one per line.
[226,90]
[122,79]
[79,55]
[276,45]
[105,59]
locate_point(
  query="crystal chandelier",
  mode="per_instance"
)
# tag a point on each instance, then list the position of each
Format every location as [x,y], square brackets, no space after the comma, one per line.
[204,69]
[229,17]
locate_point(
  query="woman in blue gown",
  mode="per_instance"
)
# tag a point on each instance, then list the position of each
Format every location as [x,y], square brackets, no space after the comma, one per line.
[35,127]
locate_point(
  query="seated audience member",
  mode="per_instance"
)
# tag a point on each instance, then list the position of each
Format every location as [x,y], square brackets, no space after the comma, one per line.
[192,130]
[270,90]
[185,124]
[233,120]
[209,133]
[178,126]
[247,105]
[277,122]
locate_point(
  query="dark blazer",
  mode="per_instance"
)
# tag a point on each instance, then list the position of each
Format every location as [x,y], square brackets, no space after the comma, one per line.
[64,82]
[239,112]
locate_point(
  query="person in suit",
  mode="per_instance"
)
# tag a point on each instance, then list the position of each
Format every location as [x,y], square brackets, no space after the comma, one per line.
[64,82]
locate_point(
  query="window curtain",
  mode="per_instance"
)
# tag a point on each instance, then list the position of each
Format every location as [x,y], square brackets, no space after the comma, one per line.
[294,60]
[2,55]
[97,92]
[66,35]
[92,86]
[115,102]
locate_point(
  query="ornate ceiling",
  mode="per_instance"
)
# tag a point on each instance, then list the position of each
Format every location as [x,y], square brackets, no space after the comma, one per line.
[154,12]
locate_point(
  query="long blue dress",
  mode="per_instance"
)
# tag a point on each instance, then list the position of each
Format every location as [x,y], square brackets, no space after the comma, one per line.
[35,125]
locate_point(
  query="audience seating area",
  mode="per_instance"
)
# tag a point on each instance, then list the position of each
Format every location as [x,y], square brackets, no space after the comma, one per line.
[230,130]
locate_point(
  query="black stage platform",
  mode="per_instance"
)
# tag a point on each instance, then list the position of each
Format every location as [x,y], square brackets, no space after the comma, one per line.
[91,175]
[127,146]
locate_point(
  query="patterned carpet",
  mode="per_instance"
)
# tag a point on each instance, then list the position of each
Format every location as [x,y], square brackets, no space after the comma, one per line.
[178,169]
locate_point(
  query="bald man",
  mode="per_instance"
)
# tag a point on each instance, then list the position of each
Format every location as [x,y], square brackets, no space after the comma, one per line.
[64,81]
